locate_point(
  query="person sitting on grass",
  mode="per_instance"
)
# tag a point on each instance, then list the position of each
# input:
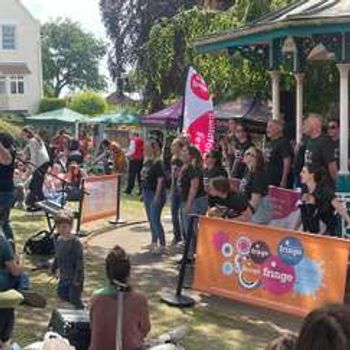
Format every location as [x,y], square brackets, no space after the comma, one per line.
[69,261]
[103,308]
[12,277]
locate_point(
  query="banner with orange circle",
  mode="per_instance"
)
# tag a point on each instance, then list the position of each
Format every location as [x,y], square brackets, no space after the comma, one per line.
[288,271]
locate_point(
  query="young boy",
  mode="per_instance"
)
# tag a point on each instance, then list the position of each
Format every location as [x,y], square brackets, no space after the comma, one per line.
[69,261]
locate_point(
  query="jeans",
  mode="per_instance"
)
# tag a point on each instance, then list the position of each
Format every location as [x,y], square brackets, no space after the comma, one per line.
[154,213]
[135,167]
[7,200]
[175,213]
[7,281]
[36,185]
[7,323]
[71,293]
[189,223]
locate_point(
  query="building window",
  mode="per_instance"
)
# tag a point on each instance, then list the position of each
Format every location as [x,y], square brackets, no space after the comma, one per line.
[8,37]
[3,85]
[17,85]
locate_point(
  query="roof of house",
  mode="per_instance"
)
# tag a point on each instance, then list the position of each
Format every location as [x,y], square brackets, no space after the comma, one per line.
[305,17]
[10,68]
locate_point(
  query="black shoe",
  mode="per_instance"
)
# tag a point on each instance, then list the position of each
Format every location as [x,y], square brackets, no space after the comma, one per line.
[33,299]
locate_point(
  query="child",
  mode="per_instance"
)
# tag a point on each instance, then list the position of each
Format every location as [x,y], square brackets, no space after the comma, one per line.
[69,261]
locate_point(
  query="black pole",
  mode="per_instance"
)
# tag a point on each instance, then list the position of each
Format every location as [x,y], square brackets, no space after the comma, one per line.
[118,220]
[179,299]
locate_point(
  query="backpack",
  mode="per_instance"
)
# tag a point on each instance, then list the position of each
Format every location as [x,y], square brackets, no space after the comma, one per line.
[42,243]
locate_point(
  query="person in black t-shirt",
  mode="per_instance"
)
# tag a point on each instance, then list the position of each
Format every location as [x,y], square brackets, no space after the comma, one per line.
[243,142]
[227,204]
[278,156]
[213,168]
[319,203]
[153,188]
[7,186]
[319,152]
[176,165]
[254,184]
[193,196]
[333,131]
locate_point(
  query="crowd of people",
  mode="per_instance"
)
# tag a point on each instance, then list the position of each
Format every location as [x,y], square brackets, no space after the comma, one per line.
[229,182]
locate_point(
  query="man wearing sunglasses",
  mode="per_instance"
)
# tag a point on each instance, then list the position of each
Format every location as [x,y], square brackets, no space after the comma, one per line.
[333,131]
[319,151]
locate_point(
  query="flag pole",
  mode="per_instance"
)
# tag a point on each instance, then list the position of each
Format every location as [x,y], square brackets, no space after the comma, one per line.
[181,127]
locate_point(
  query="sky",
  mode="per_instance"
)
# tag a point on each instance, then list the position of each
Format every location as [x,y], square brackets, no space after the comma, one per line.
[86,12]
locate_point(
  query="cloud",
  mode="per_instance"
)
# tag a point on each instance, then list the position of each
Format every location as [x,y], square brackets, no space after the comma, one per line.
[86,12]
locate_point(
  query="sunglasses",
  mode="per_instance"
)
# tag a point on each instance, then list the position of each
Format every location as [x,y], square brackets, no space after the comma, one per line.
[332,127]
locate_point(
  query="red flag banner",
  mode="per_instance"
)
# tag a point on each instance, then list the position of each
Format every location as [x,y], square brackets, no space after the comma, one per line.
[199,120]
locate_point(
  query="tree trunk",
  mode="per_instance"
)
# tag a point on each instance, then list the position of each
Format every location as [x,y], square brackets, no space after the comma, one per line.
[217,4]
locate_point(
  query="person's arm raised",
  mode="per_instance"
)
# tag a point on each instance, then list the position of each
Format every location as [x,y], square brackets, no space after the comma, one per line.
[5,155]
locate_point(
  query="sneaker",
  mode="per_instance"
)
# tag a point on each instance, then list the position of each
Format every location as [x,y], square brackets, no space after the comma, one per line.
[163,250]
[156,251]
[33,299]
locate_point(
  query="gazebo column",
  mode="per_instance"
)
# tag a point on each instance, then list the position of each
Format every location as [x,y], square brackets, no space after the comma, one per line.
[344,117]
[299,77]
[275,82]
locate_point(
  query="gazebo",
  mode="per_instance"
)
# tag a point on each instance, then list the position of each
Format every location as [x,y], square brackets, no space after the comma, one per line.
[307,30]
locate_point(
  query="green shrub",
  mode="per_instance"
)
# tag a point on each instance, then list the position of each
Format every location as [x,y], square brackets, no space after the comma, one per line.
[13,130]
[51,103]
[88,102]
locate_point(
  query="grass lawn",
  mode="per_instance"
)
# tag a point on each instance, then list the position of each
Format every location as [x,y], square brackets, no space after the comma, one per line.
[215,324]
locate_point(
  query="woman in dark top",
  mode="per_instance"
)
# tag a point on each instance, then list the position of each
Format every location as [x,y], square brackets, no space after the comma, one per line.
[213,168]
[153,185]
[320,206]
[193,196]
[243,142]
[176,165]
[253,184]
[227,204]
[7,186]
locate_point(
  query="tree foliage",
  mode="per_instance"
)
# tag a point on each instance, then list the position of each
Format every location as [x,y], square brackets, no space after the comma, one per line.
[71,57]
[89,103]
[52,103]
[128,24]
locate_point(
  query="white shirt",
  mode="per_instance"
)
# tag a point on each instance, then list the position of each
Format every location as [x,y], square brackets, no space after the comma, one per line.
[132,149]
[38,153]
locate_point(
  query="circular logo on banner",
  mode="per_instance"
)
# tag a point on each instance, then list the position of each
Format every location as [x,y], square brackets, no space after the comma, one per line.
[259,252]
[250,274]
[227,269]
[291,251]
[199,87]
[277,277]
[243,245]
[227,250]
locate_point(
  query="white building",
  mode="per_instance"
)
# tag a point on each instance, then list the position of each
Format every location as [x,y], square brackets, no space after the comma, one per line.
[20,59]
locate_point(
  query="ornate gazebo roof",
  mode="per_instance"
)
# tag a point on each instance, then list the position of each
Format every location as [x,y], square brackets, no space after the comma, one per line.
[302,19]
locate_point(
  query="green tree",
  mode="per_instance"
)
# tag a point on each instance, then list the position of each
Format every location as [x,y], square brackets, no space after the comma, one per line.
[89,103]
[71,57]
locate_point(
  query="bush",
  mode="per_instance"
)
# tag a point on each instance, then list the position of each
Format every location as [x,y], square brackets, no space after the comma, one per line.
[13,130]
[88,102]
[51,103]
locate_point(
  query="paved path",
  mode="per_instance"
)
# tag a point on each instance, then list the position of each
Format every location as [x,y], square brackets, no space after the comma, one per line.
[152,273]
